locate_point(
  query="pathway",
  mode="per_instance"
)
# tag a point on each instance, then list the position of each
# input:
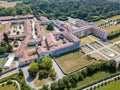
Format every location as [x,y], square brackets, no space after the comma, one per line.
[9,73]
[28,78]
[13,81]
[60,74]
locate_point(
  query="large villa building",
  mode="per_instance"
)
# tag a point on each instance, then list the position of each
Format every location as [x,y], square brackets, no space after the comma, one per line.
[50,44]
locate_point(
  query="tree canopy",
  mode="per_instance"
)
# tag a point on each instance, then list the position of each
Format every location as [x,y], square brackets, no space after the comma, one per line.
[90,10]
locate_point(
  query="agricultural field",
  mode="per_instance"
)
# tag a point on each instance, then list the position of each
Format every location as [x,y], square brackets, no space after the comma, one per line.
[73,61]
[8,4]
[115,85]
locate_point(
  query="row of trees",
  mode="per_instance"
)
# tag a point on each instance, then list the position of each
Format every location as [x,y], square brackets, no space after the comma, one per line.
[70,81]
[114,34]
[5,46]
[90,10]
[50,27]
[44,69]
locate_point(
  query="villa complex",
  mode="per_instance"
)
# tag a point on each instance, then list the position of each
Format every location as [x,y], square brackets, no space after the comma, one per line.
[30,33]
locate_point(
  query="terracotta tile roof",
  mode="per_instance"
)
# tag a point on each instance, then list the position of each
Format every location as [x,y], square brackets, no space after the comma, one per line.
[81,23]
[41,49]
[44,19]
[15,17]
[16,36]
[51,40]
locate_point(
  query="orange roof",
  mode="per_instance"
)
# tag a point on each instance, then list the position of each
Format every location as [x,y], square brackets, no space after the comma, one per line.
[44,19]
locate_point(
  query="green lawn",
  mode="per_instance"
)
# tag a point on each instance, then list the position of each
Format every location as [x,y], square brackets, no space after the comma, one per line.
[115,39]
[73,61]
[44,29]
[88,39]
[30,47]
[2,27]
[115,85]
[2,62]
[108,19]
[112,28]
[9,87]
[92,79]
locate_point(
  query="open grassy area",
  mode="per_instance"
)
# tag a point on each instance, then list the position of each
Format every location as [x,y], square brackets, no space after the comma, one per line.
[112,28]
[115,85]
[99,22]
[73,61]
[113,18]
[2,62]
[2,27]
[108,19]
[115,39]
[38,82]
[88,39]
[8,4]
[92,79]
[9,87]
[30,47]
[44,29]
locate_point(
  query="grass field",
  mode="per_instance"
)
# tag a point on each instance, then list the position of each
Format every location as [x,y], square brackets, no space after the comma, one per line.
[112,28]
[44,29]
[115,39]
[30,47]
[8,4]
[41,82]
[88,39]
[92,79]
[73,61]
[2,62]
[108,19]
[2,27]
[9,87]
[115,85]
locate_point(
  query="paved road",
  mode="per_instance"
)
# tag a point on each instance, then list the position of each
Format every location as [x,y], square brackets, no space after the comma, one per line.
[13,81]
[9,73]
[60,74]
[28,79]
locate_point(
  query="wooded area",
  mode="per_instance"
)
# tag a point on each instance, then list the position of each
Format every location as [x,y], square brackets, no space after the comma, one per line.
[90,10]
